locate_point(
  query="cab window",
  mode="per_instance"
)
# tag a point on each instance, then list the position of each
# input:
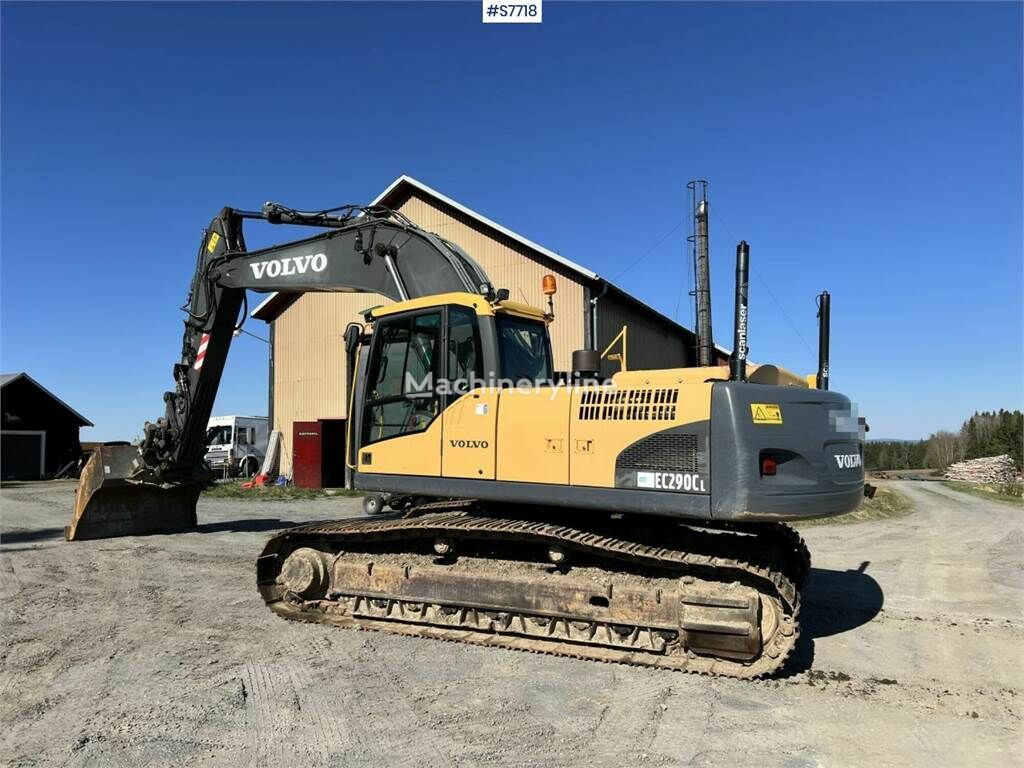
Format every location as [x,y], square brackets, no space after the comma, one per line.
[525,352]
[464,363]
[403,370]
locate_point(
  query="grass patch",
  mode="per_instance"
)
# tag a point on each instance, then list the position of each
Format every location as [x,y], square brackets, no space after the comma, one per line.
[887,504]
[1009,494]
[234,490]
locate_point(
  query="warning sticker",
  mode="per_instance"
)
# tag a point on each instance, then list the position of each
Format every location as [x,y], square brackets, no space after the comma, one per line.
[211,246]
[765,413]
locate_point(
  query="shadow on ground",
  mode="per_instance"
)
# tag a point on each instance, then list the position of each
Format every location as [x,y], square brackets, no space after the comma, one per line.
[252,525]
[833,602]
[38,483]
[245,525]
[24,536]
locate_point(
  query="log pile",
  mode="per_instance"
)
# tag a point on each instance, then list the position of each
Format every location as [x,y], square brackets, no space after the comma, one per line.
[990,470]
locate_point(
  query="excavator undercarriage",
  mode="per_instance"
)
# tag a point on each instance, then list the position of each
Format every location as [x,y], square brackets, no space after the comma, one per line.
[720,600]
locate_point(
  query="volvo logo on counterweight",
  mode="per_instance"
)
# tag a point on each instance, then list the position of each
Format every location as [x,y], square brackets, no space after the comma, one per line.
[848,460]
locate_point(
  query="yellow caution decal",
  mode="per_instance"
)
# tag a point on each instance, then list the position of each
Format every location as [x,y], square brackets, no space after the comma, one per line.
[765,413]
[211,246]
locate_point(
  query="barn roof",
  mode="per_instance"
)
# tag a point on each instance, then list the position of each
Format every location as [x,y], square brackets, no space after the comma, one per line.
[10,378]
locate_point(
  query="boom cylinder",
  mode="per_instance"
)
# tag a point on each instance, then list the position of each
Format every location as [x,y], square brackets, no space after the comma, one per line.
[824,315]
[738,361]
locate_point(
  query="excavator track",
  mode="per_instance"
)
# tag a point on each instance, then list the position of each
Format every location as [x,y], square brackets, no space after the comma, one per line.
[717,601]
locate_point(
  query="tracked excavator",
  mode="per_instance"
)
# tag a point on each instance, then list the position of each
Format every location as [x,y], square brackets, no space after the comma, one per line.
[638,518]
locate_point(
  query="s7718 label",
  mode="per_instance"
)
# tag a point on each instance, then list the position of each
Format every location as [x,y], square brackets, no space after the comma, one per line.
[513,13]
[688,482]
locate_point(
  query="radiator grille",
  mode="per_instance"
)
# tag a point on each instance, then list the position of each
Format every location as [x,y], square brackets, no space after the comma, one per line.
[661,453]
[628,404]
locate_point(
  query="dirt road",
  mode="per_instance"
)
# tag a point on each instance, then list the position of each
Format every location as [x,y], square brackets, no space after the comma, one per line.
[158,650]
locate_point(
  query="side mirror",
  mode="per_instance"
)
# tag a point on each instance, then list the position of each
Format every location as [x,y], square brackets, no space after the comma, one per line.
[353,333]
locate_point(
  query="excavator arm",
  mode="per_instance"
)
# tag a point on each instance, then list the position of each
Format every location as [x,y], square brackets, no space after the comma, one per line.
[153,487]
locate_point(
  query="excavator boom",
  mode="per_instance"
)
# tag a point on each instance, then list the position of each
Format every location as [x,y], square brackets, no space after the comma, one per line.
[153,487]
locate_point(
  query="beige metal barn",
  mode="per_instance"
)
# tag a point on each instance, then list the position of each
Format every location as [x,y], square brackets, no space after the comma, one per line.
[308,378]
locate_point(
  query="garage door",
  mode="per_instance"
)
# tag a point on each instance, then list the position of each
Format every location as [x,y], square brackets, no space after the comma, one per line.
[21,455]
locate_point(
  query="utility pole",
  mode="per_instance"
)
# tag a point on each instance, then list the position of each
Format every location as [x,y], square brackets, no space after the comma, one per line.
[701,269]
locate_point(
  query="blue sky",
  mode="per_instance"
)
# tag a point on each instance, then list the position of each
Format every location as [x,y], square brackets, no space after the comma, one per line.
[870,149]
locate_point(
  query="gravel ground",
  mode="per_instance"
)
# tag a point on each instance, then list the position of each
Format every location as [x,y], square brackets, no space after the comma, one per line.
[158,651]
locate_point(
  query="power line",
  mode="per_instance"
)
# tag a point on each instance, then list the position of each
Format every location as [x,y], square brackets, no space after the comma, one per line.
[679,298]
[688,283]
[649,251]
[767,288]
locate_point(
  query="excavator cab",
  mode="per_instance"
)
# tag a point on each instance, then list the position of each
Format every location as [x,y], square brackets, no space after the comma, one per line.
[422,359]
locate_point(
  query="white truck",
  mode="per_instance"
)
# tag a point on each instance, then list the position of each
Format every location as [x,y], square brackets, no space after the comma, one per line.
[236,445]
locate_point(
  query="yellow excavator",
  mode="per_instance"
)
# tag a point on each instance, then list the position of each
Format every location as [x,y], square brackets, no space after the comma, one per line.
[638,518]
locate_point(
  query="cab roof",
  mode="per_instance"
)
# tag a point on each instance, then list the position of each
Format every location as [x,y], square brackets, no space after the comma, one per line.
[477,303]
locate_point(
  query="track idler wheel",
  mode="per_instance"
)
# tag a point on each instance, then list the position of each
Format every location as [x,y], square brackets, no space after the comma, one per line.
[305,573]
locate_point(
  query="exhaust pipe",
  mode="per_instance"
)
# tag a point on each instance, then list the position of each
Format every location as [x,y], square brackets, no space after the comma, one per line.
[824,329]
[738,360]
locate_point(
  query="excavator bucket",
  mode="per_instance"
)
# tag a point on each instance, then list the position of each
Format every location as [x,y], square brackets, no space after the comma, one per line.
[109,503]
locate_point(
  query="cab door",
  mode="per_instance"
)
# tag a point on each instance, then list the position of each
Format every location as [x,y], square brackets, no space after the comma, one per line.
[401,424]
[471,409]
